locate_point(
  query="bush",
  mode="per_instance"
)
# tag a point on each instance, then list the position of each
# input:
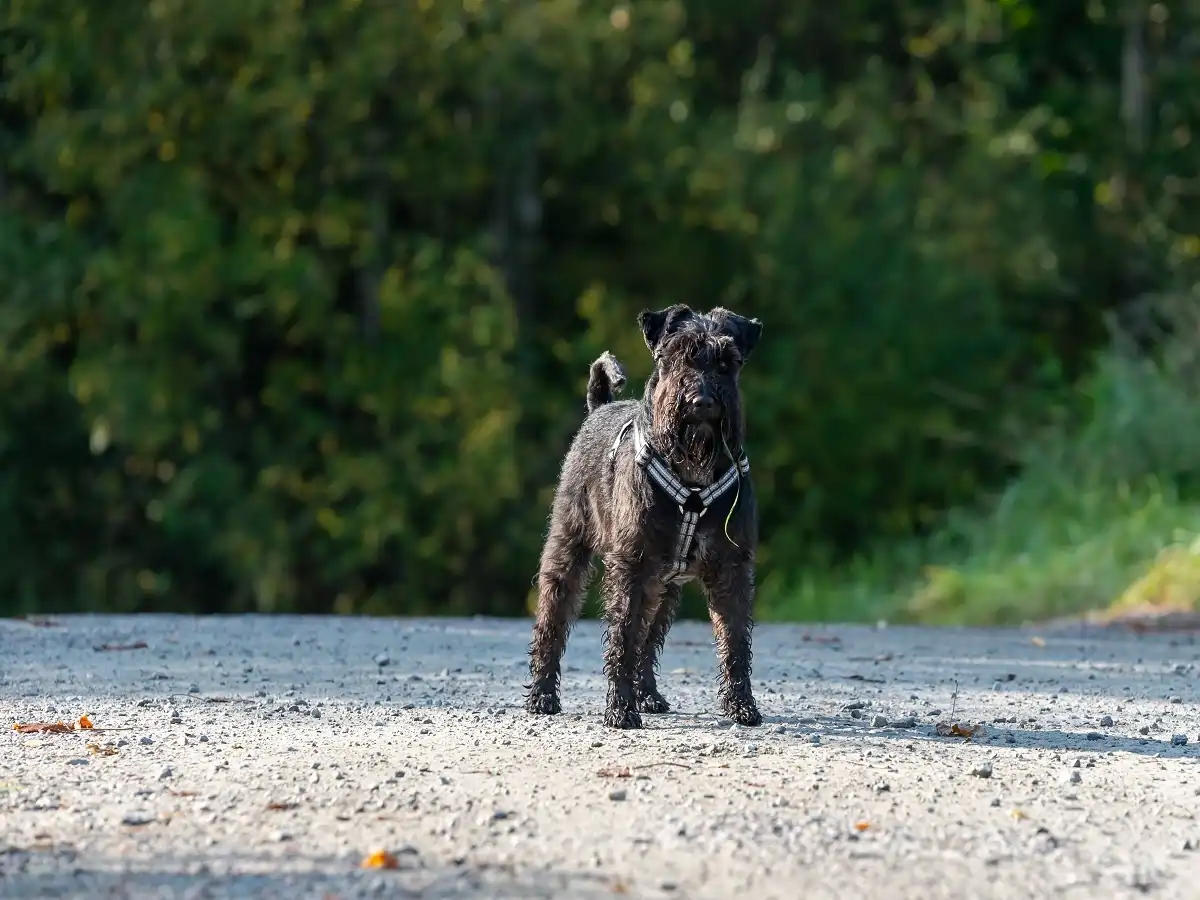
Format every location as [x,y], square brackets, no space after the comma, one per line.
[298,299]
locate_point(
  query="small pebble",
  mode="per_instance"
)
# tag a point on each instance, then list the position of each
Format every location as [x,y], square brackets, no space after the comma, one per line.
[906,722]
[137,818]
[146,741]
[1075,777]
[618,794]
[1106,722]
[1176,699]
[1145,729]
[165,773]
[382,659]
[983,770]
[878,721]
[1179,739]
[1094,736]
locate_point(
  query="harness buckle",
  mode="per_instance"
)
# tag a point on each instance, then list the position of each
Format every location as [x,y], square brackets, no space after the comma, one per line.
[693,504]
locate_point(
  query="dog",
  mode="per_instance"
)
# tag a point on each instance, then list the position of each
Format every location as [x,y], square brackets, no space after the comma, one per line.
[659,488]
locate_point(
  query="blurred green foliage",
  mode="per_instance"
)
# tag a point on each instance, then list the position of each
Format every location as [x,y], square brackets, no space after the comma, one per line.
[297,297]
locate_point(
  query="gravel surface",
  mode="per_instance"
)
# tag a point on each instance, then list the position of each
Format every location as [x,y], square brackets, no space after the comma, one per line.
[267,757]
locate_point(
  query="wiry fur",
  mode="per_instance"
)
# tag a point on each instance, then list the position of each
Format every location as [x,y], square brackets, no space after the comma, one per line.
[606,506]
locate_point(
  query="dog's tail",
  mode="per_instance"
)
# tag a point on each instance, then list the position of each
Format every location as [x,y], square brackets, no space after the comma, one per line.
[605,379]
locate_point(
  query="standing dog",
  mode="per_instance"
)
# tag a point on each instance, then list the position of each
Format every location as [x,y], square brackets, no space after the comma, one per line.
[659,488]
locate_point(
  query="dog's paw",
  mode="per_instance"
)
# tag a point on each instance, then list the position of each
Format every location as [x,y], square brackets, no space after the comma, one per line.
[622,717]
[744,711]
[543,704]
[652,702]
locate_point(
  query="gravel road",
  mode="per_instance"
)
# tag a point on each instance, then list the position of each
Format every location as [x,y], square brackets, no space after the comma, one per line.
[267,757]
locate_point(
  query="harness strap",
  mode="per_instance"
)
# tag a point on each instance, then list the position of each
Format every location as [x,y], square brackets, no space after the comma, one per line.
[693,502]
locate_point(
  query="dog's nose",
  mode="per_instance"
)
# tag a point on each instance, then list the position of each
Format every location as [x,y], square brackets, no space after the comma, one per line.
[705,406]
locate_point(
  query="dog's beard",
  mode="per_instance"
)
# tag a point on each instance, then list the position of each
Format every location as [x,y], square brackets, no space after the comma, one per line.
[697,445]
[692,448]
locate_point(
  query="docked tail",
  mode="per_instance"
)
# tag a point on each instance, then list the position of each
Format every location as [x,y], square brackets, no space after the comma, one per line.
[605,378]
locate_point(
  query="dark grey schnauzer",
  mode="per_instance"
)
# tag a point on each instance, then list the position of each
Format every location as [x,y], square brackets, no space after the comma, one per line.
[659,488]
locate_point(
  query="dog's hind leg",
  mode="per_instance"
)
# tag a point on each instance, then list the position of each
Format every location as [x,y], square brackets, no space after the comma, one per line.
[649,700]
[562,577]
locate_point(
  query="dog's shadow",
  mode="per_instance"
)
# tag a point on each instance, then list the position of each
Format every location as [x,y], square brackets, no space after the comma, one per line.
[814,728]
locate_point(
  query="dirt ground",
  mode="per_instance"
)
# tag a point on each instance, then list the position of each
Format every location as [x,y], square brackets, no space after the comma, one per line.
[268,757]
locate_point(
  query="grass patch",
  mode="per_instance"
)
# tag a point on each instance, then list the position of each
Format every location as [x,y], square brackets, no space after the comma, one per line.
[1104,516]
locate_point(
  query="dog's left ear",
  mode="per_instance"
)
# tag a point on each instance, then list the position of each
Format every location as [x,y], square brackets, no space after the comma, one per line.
[745,332]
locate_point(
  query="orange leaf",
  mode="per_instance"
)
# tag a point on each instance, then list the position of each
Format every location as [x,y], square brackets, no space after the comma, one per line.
[861,826]
[942,729]
[381,859]
[43,728]
[85,723]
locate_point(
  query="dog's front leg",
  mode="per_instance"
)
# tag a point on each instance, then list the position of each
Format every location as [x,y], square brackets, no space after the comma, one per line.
[729,589]
[628,599]
[649,699]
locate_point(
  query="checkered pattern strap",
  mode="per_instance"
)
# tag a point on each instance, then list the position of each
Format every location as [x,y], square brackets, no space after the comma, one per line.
[693,503]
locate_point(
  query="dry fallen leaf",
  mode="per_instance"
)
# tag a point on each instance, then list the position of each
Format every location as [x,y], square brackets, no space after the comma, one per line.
[620,887]
[1019,814]
[85,723]
[43,728]
[1037,641]
[946,729]
[821,638]
[276,806]
[381,859]
[106,750]
[136,645]
[615,772]
[861,826]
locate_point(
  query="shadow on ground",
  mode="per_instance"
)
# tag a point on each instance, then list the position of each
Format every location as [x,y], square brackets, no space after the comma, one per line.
[54,873]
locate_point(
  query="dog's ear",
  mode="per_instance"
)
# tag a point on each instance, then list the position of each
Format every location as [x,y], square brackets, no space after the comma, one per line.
[745,332]
[657,325]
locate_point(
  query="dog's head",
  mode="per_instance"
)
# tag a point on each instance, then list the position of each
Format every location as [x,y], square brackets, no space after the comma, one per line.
[693,394]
